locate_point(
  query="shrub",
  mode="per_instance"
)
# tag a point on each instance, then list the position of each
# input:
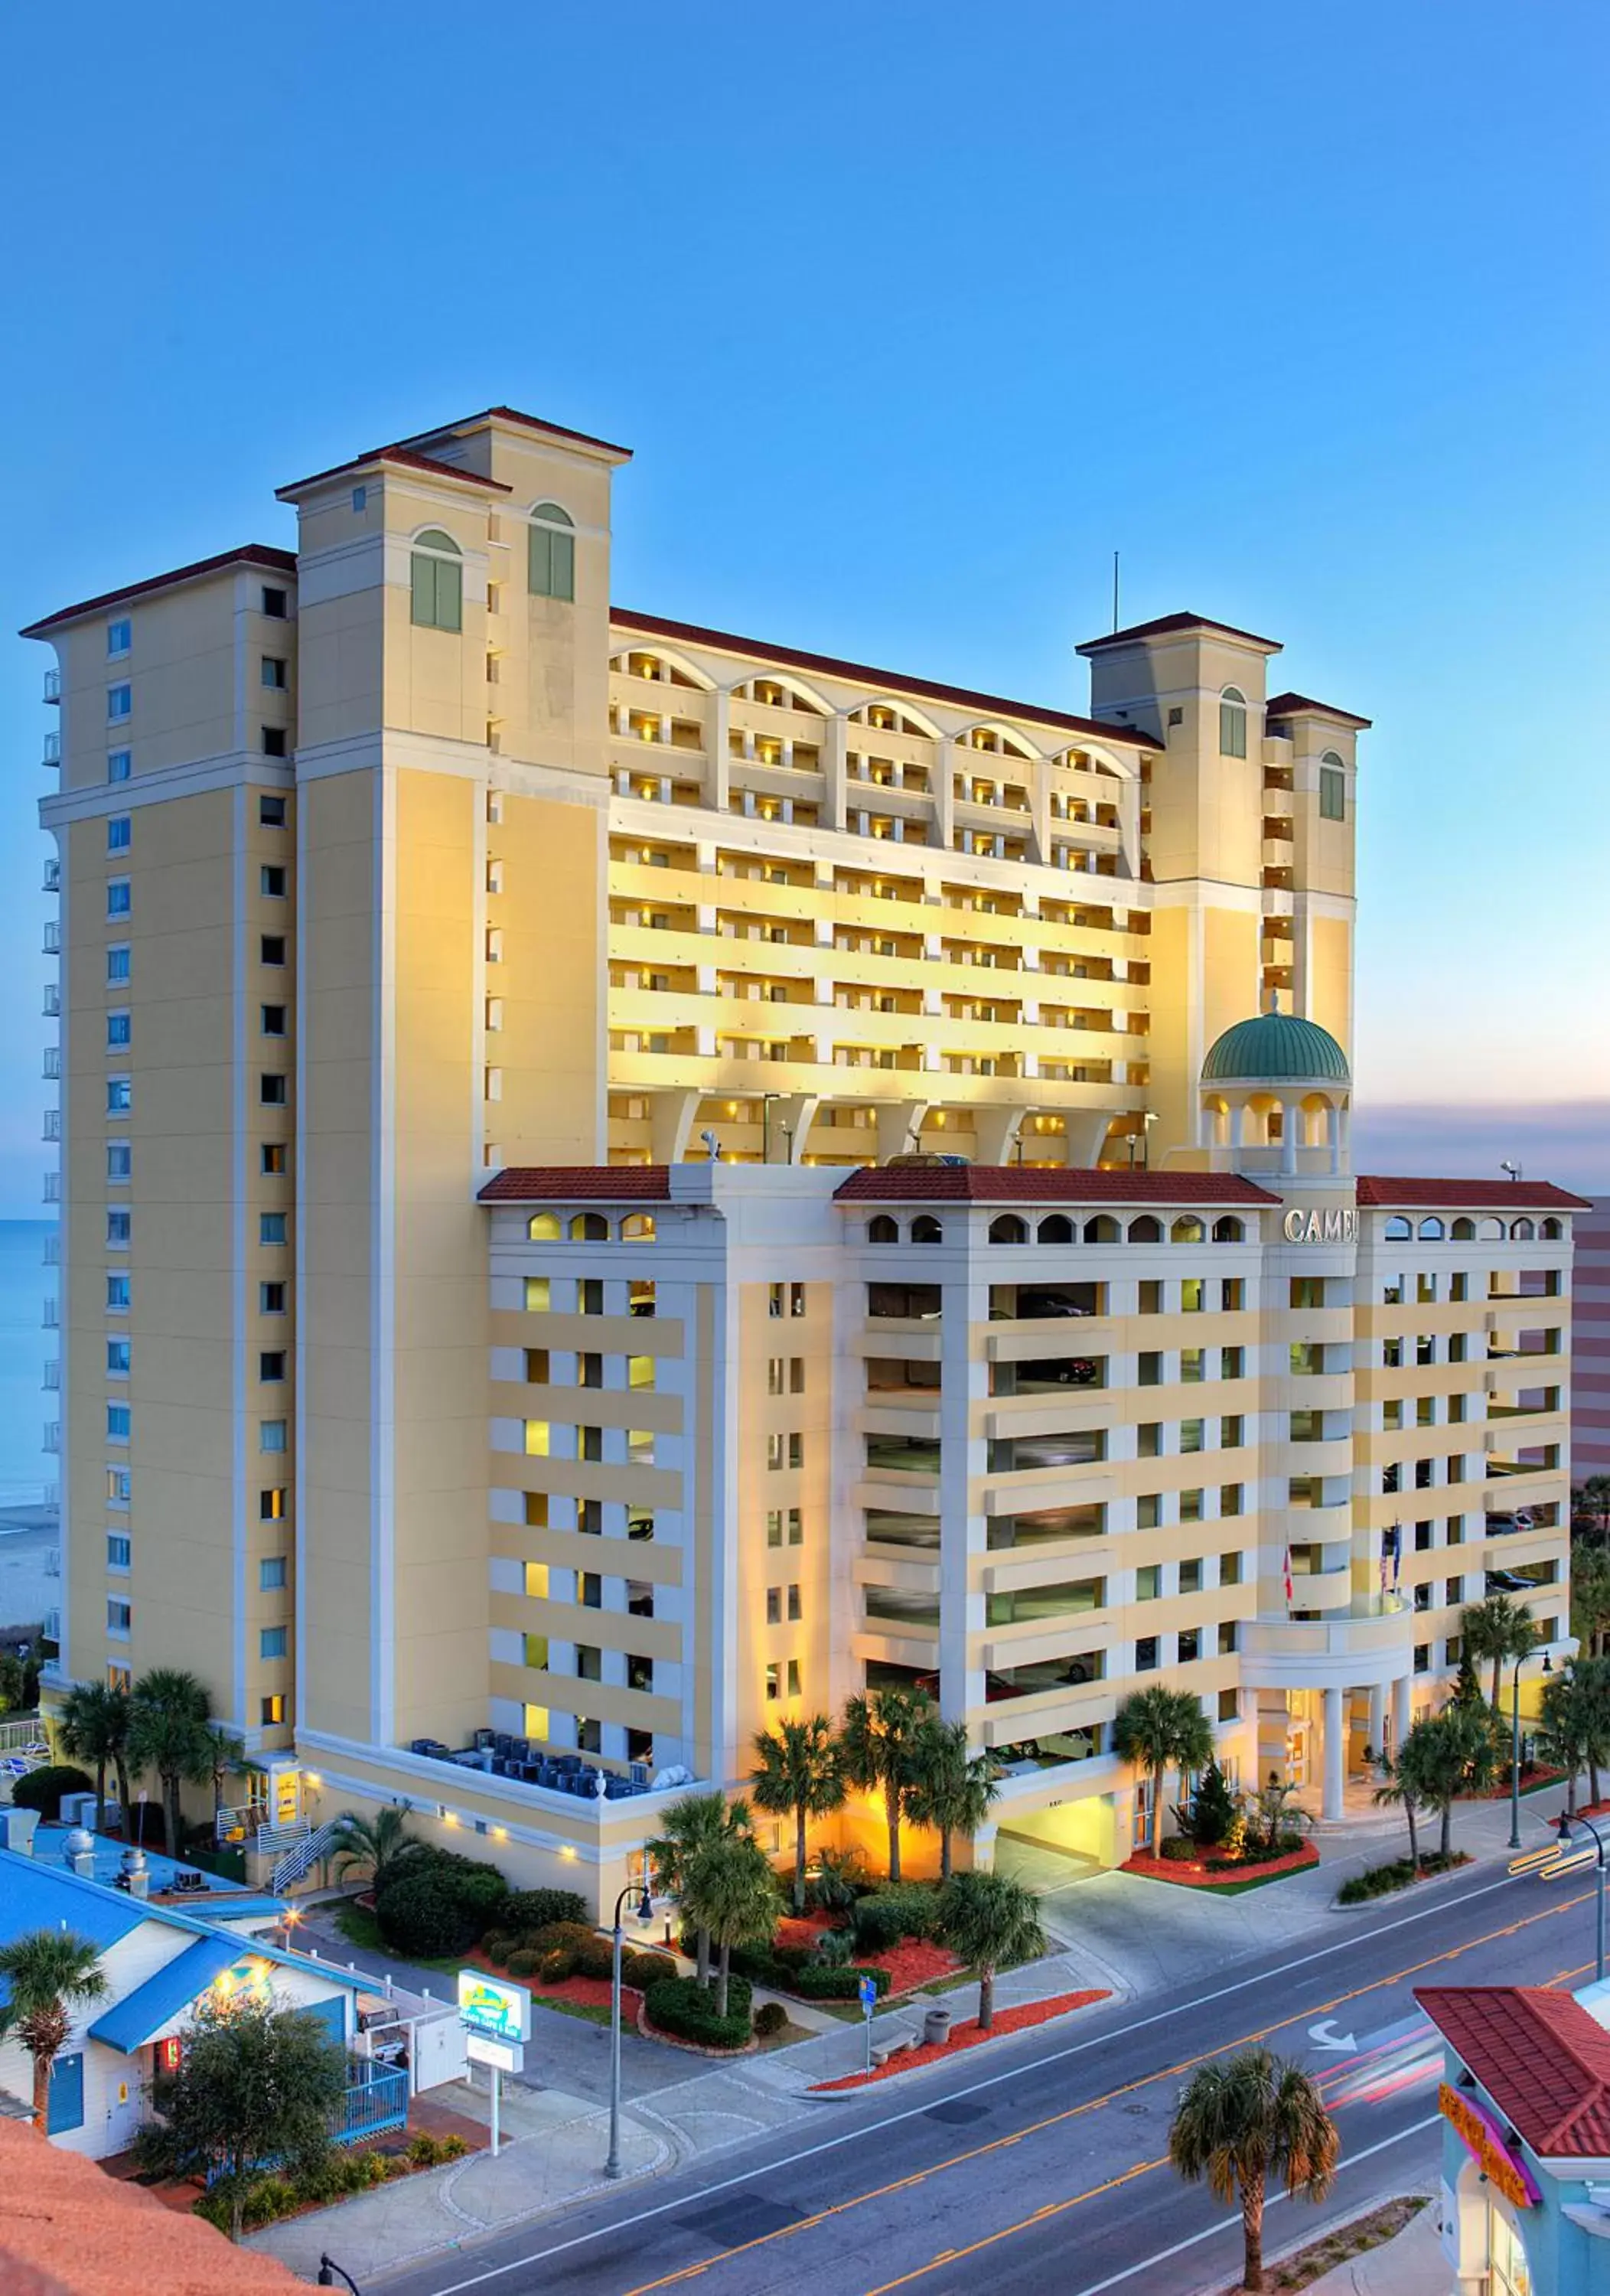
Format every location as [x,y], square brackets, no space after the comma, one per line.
[1179,1849]
[42,1790]
[535,1910]
[908,1910]
[682,2006]
[646,1969]
[836,1984]
[838,1881]
[595,1956]
[1379,1881]
[559,1937]
[523,1964]
[480,1889]
[423,2151]
[770,2018]
[497,1946]
[422,1913]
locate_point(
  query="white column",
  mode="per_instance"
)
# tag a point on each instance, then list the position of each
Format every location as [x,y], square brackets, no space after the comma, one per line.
[1378,1716]
[1290,1120]
[1335,1752]
[1402,1690]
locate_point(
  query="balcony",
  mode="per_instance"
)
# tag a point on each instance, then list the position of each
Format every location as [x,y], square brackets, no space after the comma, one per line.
[51,942]
[53,685]
[50,1067]
[50,754]
[1371,1642]
[52,1125]
[51,1006]
[52,1435]
[53,877]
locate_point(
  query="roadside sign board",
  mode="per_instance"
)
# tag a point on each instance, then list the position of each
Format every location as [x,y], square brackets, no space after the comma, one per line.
[508,2056]
[869,1996]
[493,2006]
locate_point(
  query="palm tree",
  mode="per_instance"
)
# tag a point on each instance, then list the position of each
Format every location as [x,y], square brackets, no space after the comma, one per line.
[879,1744]
[1498,1629]
[228,1761]
[730,1890]
[1158,1730]
[383,1843]
[170,1732]
[1404,1792]
[1567,1725]
[1237,2121]
[988,1919]
[1444,1756]
[1590,1595]
[48,1973]
[691,1825]
[799,1771]
[1592,1677]
[93,1728]
[951,1792]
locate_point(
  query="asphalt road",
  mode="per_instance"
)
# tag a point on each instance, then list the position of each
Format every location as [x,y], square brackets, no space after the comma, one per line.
[1044,2167]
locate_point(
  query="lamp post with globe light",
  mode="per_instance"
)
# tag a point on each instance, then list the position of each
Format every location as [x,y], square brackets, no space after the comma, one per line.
[645,1912]
[1565,1830]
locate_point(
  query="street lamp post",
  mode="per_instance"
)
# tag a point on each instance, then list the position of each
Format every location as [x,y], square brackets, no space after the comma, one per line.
[645,1912]
[1514,1747]
[328,2269]
[1564,1830]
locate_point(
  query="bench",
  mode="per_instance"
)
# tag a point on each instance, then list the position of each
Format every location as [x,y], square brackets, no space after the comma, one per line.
[894,2046]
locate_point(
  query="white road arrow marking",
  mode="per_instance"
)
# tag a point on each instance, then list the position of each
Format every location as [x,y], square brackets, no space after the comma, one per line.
[1324,2035]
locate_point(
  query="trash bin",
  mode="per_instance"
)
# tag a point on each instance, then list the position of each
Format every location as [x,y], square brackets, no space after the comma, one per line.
[936,2028]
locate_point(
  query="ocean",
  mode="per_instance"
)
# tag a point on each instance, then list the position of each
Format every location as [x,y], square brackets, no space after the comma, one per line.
[25,1344]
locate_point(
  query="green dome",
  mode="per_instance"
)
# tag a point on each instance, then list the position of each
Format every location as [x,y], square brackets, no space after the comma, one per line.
[1276,1046]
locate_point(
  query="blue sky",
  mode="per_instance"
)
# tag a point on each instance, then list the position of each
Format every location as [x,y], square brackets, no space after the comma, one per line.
[912,314]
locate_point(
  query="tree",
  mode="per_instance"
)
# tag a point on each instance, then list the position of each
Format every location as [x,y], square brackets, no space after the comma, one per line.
[691,1825]
[1566,1724]
[257,2082]
[169,1732]
[1214,1808]
[879,1740]
[18,1684]
[988,1919]
[1270,1815]
[384,1844]
[1466,1688]
[799,1772]
[47,1974]
[1444,1756]
[1498,1629]
[730,1891]
[1404,1792]
[1596,1492]
[1236,2123]
[1159,1730]
[951,1791]
[1591,1676]
[1590,1595]
[228,1761]
[94,1727]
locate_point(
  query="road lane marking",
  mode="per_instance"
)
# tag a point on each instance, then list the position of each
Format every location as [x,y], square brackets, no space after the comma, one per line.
[860,2134]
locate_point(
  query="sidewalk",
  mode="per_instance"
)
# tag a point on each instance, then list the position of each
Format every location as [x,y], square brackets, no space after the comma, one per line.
[1411,2265]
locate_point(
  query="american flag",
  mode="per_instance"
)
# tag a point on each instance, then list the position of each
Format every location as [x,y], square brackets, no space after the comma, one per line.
[1288,1584]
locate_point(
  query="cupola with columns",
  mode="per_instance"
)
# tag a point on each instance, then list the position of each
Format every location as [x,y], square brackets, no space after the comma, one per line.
[1275,1096]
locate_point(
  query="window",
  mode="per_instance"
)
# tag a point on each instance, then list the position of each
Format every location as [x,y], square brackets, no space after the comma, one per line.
[589,1662]
[1233,1363]
[1190,1646]
[119,899]
[271,1710]
[1332,788]
[120,1420]
[438,582]
[536,1295]
[119,1617]
[274,672]
[273,1020]
[119,1161]
[1149,1511]
[119,1095]
[270,1573]
[1148,1582]
[1232,723]
[1190,1434]
[271,1434]
[273,1159]
[120,1226]
[270,812]
[119,832]
[118,1483]
[274,604]
[117,965]
[794,1611]
[117,1292]
[1190,1363]
[1190,1511]
[271,1505]
[116,1358]
[273,1641]
[1149,1369]
[1146,1654]
[119,703]
[119,1031]
[1230,1703]
[773,1682]
[271,882]
[271,1299]
[275,742]
[1151,1296]
[537,1438]
[1229,1499]
[550,553]
[1190,1577]
[271,1227]
[271,1364]
[1148,1440]
[590,1442]
[271,1090]
[120,1550]
[773,1606]
[119,764]
[796,1299]
[1232,1294]
[119,638]
[271,948]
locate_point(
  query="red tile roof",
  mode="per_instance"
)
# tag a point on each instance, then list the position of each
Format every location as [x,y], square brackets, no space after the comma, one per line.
[1541,2057]
[1296,705]
[576,1184]
[881,681]
[250,554]
[68,2228]
[409,459]
[1168,626]
[1021,1183]
[1435,1195]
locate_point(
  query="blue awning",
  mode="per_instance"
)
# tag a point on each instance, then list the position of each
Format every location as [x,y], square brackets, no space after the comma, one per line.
[143,2014]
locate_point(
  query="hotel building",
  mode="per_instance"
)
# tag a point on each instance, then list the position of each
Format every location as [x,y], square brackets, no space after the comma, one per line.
[500,1316]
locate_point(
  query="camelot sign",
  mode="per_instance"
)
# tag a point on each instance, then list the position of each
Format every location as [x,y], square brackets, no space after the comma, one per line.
[1339,1225]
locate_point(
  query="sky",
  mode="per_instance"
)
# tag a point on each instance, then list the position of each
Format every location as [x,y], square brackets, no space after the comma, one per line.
[913,315]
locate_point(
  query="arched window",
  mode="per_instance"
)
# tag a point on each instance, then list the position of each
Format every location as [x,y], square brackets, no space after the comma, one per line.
[1102,1229]
[1332,788]
[1146,1230]
[589,1228]
[1522,1231]
[437,570]
[543,1227]
[1008,1229]
[1432,1231]
[1551,1231]
[1229,1230]
[1397,1227]
[1187,1229]
[1463,1231]
[550,553]
[1058,1229]
[637,1227]
[1492,1231]
[883,1230]
[926,1229]
[1232,723]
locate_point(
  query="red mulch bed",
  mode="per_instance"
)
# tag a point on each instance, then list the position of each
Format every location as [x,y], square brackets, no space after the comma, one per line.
[966,2037]
[1189,1876]
[803,1929]
[1533,1781]
[912,1962]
